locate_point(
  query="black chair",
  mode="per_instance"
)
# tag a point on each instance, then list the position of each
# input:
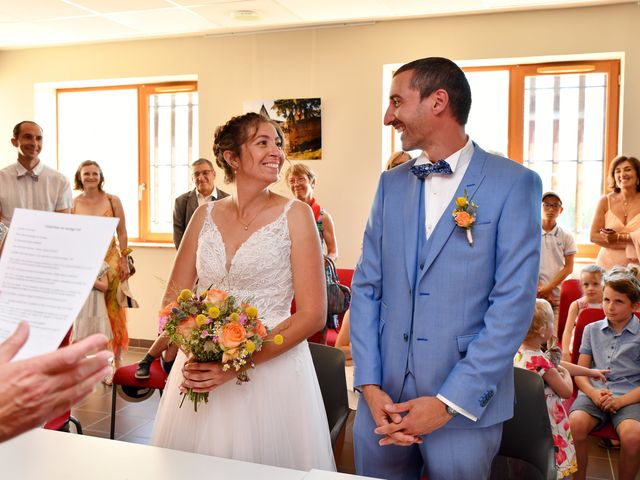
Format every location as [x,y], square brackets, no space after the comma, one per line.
[527,450]
[329,363]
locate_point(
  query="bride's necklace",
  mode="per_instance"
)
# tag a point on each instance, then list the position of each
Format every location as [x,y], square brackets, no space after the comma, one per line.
[246,225]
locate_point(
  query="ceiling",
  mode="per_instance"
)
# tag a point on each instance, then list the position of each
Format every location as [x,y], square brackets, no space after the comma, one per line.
[39,23]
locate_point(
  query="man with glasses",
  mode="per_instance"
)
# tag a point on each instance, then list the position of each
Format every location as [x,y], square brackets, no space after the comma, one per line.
[204,177]
[556,253]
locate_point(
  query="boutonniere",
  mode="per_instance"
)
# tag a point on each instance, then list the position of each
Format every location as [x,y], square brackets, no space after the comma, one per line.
[465,214]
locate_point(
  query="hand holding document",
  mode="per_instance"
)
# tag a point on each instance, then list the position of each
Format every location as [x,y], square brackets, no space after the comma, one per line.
[48,266]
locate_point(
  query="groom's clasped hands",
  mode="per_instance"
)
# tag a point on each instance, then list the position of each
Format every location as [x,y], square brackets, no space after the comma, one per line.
[404,423]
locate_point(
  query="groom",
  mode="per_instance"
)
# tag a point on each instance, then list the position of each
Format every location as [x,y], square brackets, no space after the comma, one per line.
[439,312]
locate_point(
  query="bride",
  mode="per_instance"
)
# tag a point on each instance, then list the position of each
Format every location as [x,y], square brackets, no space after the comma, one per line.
[259,246]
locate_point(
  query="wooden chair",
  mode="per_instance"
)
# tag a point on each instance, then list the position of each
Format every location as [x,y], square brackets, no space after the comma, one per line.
[570,290]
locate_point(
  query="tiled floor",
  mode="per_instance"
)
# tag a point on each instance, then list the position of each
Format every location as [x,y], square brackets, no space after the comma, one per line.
[134,423]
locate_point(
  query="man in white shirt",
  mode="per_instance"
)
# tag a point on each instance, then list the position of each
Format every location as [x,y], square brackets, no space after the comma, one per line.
[204,177]
[444,290]
[29,183]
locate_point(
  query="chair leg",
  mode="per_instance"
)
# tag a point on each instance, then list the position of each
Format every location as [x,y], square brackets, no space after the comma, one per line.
[337,448]
[113,411]
[76,422]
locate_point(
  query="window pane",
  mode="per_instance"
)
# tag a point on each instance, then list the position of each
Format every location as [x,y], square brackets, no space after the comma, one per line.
[488,123]
[173,135]
[564,119]
[102,125]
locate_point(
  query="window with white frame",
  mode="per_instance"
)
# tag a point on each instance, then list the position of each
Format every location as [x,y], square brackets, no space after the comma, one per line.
[143,136]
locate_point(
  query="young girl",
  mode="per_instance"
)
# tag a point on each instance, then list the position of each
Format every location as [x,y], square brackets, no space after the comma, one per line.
[591,282]
[558,384]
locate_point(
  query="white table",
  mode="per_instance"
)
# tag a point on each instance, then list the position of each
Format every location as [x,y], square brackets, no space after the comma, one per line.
[47,454]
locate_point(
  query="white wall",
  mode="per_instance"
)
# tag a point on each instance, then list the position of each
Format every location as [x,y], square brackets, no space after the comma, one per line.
[343,66]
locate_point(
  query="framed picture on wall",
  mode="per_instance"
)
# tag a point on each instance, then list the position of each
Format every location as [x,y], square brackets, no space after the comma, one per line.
[300,120]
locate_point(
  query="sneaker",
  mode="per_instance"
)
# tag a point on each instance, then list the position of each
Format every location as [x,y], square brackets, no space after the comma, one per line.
[143,370]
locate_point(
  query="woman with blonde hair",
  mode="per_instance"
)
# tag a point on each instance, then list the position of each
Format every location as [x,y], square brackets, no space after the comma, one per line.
[93,200]
[302,181]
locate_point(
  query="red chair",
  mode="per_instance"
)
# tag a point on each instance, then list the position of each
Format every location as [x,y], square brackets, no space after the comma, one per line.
[134,388]
[570,290]
[61,423]
[586,317]
[329,336]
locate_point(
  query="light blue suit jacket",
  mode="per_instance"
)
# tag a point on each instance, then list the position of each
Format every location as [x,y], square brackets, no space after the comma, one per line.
[469,307]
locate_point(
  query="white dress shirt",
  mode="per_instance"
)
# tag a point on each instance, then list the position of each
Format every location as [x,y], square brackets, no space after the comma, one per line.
[52,191]
[211,198]
[439,189]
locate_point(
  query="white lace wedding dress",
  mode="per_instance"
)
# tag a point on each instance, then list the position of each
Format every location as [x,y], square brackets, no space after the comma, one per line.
[278,417]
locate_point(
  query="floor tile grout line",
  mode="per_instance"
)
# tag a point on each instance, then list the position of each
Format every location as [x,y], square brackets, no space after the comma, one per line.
[613,474]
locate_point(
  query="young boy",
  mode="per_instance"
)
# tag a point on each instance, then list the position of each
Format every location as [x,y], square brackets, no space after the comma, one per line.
[556,253]
[612,344]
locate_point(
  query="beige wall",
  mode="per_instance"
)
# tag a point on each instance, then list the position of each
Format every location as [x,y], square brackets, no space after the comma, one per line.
[343,66]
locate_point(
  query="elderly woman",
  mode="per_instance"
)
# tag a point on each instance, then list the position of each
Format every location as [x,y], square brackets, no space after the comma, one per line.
[616,223]
[93,200]
[301,181]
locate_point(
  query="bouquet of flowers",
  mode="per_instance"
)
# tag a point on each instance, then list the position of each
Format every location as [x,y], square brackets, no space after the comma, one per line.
[215,327]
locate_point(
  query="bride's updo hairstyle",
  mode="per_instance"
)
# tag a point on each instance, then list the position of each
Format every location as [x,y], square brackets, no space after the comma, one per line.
[233,134]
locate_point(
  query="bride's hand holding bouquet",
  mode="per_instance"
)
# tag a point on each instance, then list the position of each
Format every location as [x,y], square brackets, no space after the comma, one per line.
[218,334]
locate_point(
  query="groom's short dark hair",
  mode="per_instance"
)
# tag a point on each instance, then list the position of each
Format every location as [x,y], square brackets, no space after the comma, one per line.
[432,73]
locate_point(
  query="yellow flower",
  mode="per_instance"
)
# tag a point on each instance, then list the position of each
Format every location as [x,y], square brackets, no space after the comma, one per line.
[462,202]
[185,294]
[278,339]
[250,346]
[251,312]
[214,312]
[201,320]
[234,317]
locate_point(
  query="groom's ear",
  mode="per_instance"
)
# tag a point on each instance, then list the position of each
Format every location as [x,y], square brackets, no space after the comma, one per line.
[440,100]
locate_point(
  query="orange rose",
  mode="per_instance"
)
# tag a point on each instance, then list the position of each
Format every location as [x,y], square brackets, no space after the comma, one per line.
[216,297]
[187,326]
[464,219]
[230,354]
[260,330]
[232,335]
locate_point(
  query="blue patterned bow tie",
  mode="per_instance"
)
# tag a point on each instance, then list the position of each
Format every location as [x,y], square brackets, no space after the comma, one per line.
[28,173]
[424,170]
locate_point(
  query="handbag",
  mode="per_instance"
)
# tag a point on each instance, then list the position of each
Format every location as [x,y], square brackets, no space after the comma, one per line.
[338,295]
[132,268]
